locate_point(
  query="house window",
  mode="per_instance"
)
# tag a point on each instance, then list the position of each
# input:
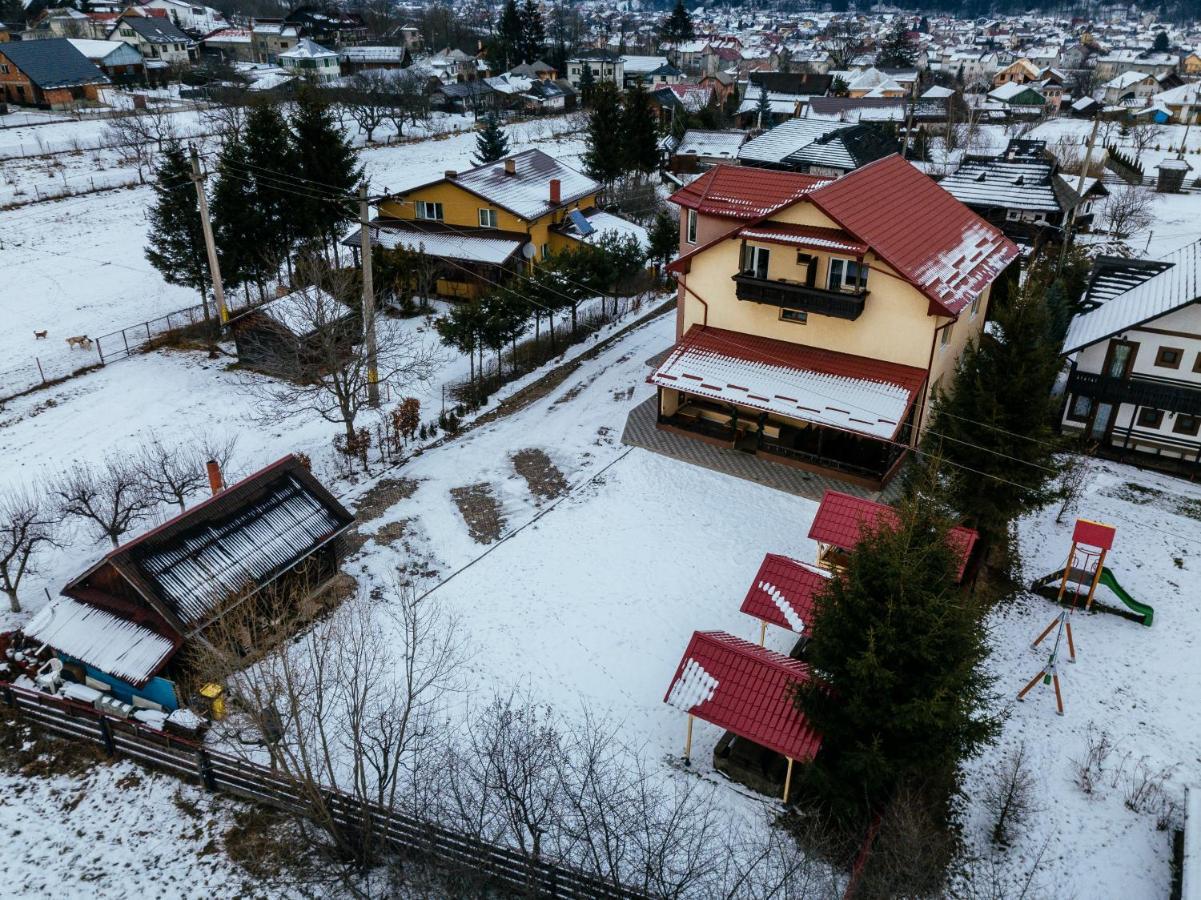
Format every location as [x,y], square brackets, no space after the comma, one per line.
[1013,215]
[1197,364]
[487,218]
[1150,418]
[691,226]
[976,306]
[755,261]
[1169,357]
[1080,408]
[546,251]
[1189,425]
[3,68]
[847,275]
[799,316]
[427,210]
[946,336]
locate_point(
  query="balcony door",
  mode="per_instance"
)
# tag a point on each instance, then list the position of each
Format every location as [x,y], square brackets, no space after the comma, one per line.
[1119,361]
[754,261]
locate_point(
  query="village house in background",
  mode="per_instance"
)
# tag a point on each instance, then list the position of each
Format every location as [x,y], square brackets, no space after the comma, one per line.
[1135,383]
[817,318]
[49,73]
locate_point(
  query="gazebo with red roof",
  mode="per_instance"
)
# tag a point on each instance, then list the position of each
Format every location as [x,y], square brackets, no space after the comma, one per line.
[782,594]
[747,690]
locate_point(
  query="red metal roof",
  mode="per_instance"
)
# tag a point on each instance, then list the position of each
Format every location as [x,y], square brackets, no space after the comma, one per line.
[1094,534]
[943,248]
[744,193]
[841,520]
[746,689]
[783,591]
[831,240]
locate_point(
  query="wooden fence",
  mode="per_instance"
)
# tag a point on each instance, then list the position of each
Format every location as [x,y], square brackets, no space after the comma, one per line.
[498,866]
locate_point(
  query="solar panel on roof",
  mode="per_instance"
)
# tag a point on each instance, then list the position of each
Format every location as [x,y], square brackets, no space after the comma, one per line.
[580,221]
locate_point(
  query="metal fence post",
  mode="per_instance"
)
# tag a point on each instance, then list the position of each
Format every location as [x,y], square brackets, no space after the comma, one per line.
[204,770]
[106,732]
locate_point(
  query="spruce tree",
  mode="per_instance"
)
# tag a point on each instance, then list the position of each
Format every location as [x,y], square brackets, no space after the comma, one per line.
[677,27]
[897,50]
[897,648]
[993,427]
[533,32]
[1161,43]
[763,119]
[491,143]
[508,33]
[603,158]
[664,237]
[271,163]
[236,222]
[587,84]
[639,137]
[325,157]
[176,246]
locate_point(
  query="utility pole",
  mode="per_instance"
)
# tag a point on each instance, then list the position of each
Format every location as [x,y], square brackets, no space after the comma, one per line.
[368,300]
[207,226]
[1070,219]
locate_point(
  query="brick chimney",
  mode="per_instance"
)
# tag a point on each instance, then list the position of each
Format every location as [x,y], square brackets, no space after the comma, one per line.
[450,173]
[510,166]
[216,484]
[556,190]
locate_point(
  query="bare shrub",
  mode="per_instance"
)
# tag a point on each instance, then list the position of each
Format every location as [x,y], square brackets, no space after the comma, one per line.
[1090,769]
[1009,795]
[1144,788]
[912,850]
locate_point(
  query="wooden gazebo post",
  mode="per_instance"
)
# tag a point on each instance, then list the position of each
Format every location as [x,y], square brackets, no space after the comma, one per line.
[688,743]
[788,779]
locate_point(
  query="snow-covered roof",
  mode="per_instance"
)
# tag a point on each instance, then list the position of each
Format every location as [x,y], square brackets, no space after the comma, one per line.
[792,380]
[305,311]
[937,92]
[1176,286]
[785,139]
[602,223]
[643,65]
[307,49]
[371,54]
[1000,183]
[1126,80]
[102,640]
[1011,89]
[95,50]
[723,144]
[526,192]
[488,247]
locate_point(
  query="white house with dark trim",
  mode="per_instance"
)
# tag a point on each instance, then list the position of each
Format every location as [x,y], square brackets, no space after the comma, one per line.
[1135,382]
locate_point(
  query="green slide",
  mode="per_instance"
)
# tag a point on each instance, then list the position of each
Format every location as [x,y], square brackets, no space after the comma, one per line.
[1142,609]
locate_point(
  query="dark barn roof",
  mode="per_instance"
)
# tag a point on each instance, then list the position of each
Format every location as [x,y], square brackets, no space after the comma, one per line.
[52,63]
[155,29]
[242,538]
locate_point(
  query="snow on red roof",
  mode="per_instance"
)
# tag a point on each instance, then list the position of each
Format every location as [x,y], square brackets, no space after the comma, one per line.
[783,592]
[841,520]
[813,237]
[740,192]
[943,248]
[746,689]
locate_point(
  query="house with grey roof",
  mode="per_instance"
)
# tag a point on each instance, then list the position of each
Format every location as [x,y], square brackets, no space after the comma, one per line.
[50,73]
[157,38]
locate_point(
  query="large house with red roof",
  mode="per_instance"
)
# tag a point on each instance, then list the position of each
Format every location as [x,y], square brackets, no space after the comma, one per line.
[817,317]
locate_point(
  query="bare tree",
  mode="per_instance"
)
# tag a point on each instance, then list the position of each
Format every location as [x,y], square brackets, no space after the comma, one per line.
[1128,209]
[127,135]
[330,372]
[368,100]
[1143,136]
[111,497]
[1009,795]
[27,528]
[843,39]
[172,474]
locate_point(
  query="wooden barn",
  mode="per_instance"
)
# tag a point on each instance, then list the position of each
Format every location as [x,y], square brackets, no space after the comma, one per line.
[294,334]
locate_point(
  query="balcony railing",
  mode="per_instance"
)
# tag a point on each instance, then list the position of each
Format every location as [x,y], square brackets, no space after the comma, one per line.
[840,304]
[1165,395]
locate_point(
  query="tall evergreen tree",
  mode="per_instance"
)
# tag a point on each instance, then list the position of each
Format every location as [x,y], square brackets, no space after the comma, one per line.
[587,84]
[508,33]
[603,159]
[676,27]
[639,137]
[897,50]
[271,163]
[664,237]
[176,246]
[1161,43]
[533,32]
[994,427]
[763,119]
[491,143]
[899,650]
[325,157]
[236,221]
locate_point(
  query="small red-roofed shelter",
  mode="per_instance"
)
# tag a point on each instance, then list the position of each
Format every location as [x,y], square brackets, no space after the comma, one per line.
[747,690]
[842,519]
[782,594]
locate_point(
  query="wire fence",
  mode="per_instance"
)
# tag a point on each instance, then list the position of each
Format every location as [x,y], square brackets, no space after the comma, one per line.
[494,865]
[12,196]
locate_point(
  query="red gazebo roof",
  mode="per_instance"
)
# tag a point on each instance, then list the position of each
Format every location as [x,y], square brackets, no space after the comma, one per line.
[783,593]
[746,689]
[841,519]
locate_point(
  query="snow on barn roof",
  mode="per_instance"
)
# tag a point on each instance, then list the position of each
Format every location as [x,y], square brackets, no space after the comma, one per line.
[853,393]
[1000,183]
[746,689]
[943,248]
[783,591]
[786,138]
[102,640]
[526,192]
[841,520]
[305,311]
[734,192]
[1177,285]
[307,49]
[723,144]
[484,246]
[244,536]
[602,223]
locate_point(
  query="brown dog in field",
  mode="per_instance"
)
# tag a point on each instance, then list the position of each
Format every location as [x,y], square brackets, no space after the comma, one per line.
[40,335]
[80,340]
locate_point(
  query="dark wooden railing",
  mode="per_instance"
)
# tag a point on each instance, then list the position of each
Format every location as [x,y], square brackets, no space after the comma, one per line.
[841,305]
[499,866]
[1151,392]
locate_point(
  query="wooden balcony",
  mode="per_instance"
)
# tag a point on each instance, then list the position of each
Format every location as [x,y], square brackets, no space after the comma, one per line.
[1172,396]
[794,295]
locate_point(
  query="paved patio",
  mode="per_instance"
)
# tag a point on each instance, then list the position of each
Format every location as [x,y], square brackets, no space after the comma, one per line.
[640,431]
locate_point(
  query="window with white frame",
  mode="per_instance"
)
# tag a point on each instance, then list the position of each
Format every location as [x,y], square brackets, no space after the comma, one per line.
[1013,215]
[427,210]
[847,275]
[946,336]
[976,305]
[691,237]
[487,218]
[755,261]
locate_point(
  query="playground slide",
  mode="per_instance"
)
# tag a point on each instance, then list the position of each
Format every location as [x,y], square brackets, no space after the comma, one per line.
[1142,609]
